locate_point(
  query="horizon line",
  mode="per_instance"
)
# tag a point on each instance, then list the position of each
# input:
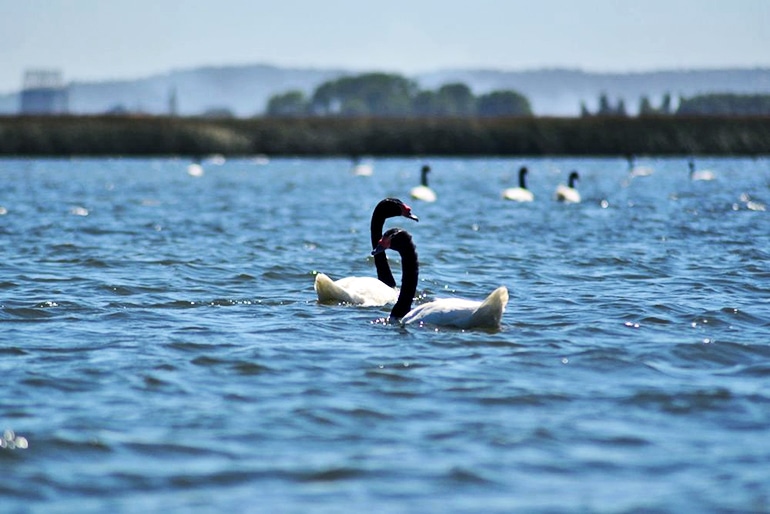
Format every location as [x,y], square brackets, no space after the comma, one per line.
[361,70]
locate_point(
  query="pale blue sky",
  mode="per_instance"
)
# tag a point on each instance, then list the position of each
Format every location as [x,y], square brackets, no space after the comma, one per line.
[107,39]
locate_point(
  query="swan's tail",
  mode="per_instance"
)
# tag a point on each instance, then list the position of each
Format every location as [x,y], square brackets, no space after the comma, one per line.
[328,291]
[490,312]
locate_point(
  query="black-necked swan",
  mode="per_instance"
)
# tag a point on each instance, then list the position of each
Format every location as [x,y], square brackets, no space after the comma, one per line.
[700,174]
[423,191]
[568,193]
[452,312]
[367,291]
[362,168]
[521,193]
[637,171]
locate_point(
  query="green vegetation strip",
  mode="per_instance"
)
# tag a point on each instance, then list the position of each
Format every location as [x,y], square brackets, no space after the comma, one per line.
[339,136]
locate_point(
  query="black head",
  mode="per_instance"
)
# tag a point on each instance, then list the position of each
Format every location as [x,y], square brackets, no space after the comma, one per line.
[392,207]
[425,168]
[394,239]
[572,178]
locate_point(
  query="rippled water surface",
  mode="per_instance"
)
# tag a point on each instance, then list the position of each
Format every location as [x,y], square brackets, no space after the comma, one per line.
[161,348]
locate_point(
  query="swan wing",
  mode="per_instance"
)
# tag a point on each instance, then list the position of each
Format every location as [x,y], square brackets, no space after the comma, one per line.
[365,291]
[456,312]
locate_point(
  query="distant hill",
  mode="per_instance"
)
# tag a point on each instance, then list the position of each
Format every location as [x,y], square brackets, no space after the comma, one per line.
[244,90]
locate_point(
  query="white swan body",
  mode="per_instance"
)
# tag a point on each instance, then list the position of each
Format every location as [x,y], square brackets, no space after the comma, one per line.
[701,174]
[568,193]
[423,191]
[641,171]
[521,193]
[460,313]
[518,194]
[364,291]
[362,168]
[638,171]
[367,291]
[195,169]
[449,312]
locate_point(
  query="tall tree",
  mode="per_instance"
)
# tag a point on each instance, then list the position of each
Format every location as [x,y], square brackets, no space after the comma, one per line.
[503,103]
[620,110]
[584,112]
[378,94]
[665,104]
[291,103]
[425,103]
[645,107]
[605,109]
[456,100]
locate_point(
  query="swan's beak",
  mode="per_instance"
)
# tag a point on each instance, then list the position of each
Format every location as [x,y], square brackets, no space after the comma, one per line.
[378,249]
[412,217]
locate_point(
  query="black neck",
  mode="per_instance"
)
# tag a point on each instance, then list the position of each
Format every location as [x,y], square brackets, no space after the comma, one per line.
[522,184]
[380,260]
[424,178]
[410,270]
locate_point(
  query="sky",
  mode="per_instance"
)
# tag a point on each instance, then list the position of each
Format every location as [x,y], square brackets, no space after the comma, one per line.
[96,40]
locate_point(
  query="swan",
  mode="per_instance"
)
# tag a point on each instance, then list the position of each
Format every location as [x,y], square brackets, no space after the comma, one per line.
[452,312]
[521,193]
[362,168]
[700,174]
[423,192]
[194,169]
[367,291]
[638,171]
[568,193]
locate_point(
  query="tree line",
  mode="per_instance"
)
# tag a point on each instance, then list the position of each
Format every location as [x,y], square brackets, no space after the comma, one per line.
[699,105]
[392,95]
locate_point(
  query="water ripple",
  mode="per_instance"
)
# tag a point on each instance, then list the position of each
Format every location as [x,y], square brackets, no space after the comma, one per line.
[161,337]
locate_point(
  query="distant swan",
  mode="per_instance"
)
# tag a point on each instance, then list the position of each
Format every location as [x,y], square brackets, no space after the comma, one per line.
[194,169]
[521,193]
[368,291]
[700,174]
[453,312]
[568,193]
[423,192]
[362,168]
[638,171]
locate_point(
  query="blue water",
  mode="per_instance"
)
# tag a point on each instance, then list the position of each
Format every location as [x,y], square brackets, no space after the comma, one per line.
[161,349]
